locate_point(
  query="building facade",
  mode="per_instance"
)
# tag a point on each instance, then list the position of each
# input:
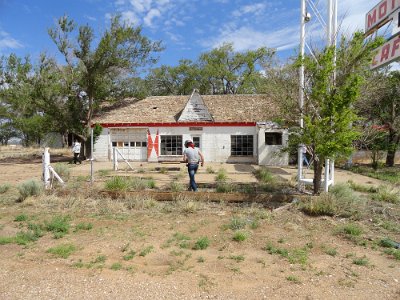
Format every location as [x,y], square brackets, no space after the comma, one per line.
[227,128]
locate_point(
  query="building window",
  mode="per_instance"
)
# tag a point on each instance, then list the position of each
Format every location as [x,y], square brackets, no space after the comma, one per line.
[196,141]
[242,145]
[171,145]
[273,138]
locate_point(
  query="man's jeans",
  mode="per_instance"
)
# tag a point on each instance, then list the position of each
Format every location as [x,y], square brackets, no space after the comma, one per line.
[192,169]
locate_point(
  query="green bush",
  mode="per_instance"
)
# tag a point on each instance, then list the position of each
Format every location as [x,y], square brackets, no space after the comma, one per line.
[64,250]
[83,226]
[387,194]
[59,225]
[340,201]
[29,188]
[118,184]
[175,186]
[210,170]
[151,183]
[223,187]
[138,184]
[239,236]
[264,175]
[21,218]
[236,223]
[350,229]
[4,188]
[62,170]
[221,175]
[322,205]
[202,243]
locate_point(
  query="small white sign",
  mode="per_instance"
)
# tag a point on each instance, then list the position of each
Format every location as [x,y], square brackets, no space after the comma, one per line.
[387,53]
[380,14]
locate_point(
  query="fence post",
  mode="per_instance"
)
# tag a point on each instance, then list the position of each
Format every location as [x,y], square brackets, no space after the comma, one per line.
[327,171]
[46,171]
[115,159]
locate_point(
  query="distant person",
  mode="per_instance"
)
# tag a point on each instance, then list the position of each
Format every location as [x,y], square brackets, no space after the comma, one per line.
[305,160]
[192,156]
[76,149]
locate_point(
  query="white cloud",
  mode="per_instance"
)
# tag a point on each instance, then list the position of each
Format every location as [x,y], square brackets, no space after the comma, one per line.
[130,17]
[352,13]
[145,12]
[6,41]
[90,18]
[148,19]
[176,38]
[141,6]
[256,8]
[246,38]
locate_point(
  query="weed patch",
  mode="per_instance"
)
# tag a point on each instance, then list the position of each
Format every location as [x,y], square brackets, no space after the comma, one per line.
[146,251]
[63,251]
[117,184]
[59,225]
[361,261]
[387,194]
[4,188]
[240,236]
[28,189]
[340,201]
[294,256]
[201,244]
[83,226]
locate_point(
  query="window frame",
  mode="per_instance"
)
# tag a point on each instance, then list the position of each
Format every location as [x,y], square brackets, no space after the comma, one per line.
[275,137]
[171,145]
[245,148]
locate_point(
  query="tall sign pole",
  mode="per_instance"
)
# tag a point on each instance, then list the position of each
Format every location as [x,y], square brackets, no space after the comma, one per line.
[331,40]
[301,88]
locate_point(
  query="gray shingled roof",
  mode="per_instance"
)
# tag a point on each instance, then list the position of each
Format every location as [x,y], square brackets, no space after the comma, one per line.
[167,109]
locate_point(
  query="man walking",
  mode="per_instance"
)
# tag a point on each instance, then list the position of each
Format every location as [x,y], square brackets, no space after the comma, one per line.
[192,156]
[76,149]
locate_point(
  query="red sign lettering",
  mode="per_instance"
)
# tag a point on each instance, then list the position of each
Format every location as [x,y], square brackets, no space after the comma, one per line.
[380,14]
[387,53]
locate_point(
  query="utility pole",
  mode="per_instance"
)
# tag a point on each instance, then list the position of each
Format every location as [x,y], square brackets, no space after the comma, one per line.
[303,16]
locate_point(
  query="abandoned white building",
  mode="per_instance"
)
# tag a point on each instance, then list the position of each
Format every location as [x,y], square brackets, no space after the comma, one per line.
[227,128]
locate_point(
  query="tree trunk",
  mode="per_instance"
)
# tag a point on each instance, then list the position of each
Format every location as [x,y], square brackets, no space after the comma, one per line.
[318,164]
[393,143]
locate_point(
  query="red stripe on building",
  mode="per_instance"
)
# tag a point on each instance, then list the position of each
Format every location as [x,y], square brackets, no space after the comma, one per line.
[185,124]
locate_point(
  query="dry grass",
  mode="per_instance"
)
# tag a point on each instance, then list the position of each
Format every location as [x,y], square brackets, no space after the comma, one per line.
[18,151]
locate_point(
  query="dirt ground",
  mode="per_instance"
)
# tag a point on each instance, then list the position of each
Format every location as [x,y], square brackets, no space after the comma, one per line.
[142,249]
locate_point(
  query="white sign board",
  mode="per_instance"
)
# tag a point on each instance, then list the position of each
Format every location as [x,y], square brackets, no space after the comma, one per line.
[387,53]
[380,14]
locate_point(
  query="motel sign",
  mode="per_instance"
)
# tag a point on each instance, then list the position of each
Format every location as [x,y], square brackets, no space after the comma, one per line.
[382,13]
[387,53]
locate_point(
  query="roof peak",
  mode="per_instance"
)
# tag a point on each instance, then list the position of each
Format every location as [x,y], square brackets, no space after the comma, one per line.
[195,109]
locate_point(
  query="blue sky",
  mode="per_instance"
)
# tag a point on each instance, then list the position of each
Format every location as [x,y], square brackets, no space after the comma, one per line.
[186,27]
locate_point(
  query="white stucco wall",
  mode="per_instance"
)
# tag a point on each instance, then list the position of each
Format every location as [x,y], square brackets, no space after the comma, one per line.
[272,155]
[215,143]
[101,146]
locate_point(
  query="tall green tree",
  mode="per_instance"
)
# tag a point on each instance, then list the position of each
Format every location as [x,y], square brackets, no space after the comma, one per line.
[229,72]
[381,106]
[97,68]
[329,100]
[18,106]
[178,80]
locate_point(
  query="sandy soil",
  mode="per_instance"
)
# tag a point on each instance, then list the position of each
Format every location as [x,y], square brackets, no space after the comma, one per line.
[172,269]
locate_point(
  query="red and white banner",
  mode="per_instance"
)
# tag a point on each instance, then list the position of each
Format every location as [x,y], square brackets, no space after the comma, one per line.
[387,53]
[380,14]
